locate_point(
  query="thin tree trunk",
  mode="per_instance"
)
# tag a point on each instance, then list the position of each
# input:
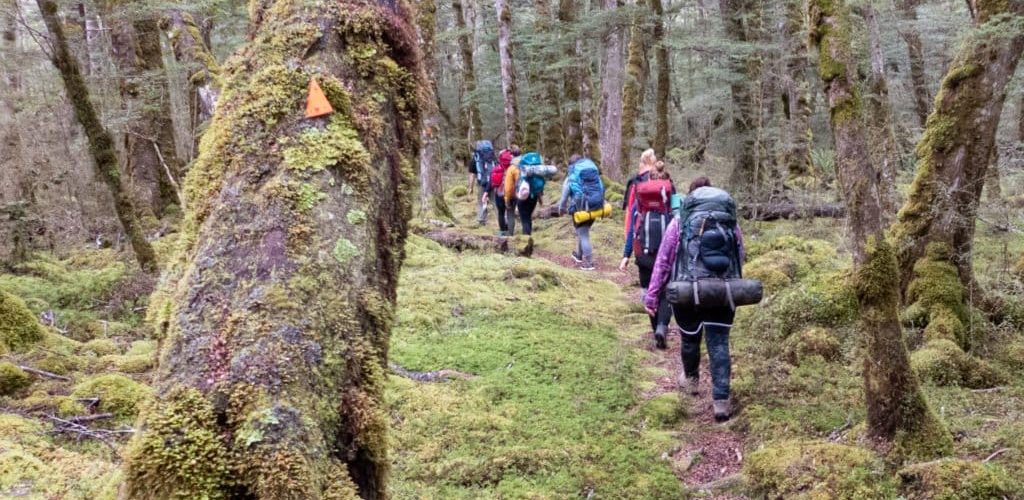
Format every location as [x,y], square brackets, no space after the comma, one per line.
[796,94]
[664,82]
[958,143]
[432,202]
[101,144]
[572,124]
[922,98]
[632,95]
[1020,119]
[275,313]
[509,90]
[588,121]
[203,71]
[612,76]
[882,135]
[550,114]
[470,111]
[897,410]
[740,18]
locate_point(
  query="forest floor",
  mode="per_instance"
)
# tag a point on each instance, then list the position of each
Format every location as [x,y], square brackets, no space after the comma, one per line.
[567,396]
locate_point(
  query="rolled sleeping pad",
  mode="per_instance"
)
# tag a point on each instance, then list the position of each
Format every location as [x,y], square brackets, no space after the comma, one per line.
[541,170]
[714,292]
[584,216]
[677,202]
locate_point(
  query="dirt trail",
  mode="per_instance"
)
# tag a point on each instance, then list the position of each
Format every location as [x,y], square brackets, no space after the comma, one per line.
[710,455]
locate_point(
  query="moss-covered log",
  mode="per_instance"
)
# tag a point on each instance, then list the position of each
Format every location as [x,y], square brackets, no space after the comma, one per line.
[897,410]
[101,144]
[275,312]
[954,152]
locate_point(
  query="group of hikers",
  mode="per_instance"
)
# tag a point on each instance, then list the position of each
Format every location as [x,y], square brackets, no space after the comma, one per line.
[688,249]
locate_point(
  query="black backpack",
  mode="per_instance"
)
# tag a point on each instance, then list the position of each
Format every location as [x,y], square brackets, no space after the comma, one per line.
[708,246]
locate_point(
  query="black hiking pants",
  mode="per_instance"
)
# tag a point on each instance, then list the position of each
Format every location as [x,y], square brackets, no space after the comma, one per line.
[659,322]
[714,325]
[526,208]
[499,205]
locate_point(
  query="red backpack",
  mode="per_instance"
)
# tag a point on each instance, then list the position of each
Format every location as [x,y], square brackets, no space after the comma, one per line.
[498,174]
[653,205]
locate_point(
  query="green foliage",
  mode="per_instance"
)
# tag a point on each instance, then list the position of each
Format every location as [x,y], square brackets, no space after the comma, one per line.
[118,394]
[19,328]
[12,379]
[808,469]
[957,480]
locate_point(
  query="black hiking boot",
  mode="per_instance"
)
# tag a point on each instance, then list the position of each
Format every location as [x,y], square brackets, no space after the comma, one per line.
[722,409]
[659,341]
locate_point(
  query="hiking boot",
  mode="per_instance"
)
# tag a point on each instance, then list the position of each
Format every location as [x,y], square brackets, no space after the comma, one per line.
[587,265]
[688,384]
[722,409]
[576,257]
[659,341]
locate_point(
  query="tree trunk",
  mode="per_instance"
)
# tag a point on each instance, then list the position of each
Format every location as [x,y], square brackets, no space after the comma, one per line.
[796,105]
[550,113]
[881,133]
[661,92]
[151,157]
[958,142]
[508,72]
[897,410]
[572,122]
[276,311]
[1020,120]
[612,75]
[632,95]
[470,111]
[588,122]
[191,52]
[101,144]
[908,18]
[741,18]
[432,203]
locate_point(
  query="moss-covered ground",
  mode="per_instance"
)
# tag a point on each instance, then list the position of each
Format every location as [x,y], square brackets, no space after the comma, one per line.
[565,397]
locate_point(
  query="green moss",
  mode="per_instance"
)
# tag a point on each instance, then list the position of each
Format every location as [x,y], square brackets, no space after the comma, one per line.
[775,270]
[19,328]
[936,291]
[140,363]
[824,299]
[12,379]
[355,217]
[118,394]
[457,192]
[942,362]
[140,347]
[957,480]
[338,144]
[308,197]
[181,454]
[798,469]
[663,412]
[344,250]
[100,347]
[813,341]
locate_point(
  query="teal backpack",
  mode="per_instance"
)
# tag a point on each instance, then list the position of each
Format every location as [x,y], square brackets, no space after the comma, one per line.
[536,182]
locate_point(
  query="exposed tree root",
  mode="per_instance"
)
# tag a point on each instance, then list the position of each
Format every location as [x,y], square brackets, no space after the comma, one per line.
[434,376]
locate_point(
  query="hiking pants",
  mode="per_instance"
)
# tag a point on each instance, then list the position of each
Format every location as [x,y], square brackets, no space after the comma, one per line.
[482,214]
[499,204]
[583,246]
[659,322]
[526,214]
[714,324]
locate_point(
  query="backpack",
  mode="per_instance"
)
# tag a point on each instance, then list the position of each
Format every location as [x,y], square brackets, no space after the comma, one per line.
[523,189]
[485,161]
[498,174]
[586,186]
[653,204]
[533,171]
[708,247]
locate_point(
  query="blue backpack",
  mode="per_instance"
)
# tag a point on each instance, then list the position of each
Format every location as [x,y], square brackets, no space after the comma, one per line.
[585,186]
[485,161]
[536,182]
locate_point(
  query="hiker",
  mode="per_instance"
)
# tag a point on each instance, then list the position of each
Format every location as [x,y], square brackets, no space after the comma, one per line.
[484,163]
[583,191]
[524,183]
[497,193]
[648,211]
[704,240]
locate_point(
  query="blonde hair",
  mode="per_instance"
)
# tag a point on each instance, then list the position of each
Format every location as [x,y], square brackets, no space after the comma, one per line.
[647,161]
[659,171]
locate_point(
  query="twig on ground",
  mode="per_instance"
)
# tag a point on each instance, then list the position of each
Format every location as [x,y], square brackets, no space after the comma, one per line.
[74,426]
[434,376]
[990,389]
[996,454]
[44,374]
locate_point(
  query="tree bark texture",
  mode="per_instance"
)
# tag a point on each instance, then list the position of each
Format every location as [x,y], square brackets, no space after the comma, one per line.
[796,105]
[664,81]
[741,19]
[470,110]
[276,310]
[632,95]
[549,115]
[101,144]
[612,79]
[897,410]
[432,202]
[203,71]
[572,121]
[590,137]
[509,90]
[958,142]
[881,131]
[151,159]
[915,52]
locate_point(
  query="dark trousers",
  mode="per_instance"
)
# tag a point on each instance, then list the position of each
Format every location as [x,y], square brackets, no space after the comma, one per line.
[713,325]
[526,214]
[499,204]
[659,322]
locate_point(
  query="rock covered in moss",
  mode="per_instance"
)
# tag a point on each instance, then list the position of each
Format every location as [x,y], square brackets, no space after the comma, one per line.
[117,393]
[824,300]
[953,479]
[943,363]
[12,379]
[19,328]
[774,269]
[799,469]
[812,341]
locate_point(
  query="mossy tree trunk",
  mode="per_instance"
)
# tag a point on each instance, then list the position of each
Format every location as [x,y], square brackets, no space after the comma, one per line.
[550,113]
[572,122]
[958,142]
[203,71]
[796,90]
[612,77]
[101,144]
[151,158]
[915,52]
[664,81]
[432,202]
[470,110]
[881,132]
[276,311]
[509,90]
[741,19]
[897,410]
[590,136]
[632,94]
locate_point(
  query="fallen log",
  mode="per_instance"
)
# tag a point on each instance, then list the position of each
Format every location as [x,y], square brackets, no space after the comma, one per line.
[434,376]
[462,241]
[775,211]
[43,373]
[548,212]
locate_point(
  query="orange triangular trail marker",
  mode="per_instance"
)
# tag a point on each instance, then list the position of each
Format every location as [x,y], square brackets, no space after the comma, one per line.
[316,101]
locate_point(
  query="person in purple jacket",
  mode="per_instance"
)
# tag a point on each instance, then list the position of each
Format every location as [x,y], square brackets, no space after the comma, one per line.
[711,323]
